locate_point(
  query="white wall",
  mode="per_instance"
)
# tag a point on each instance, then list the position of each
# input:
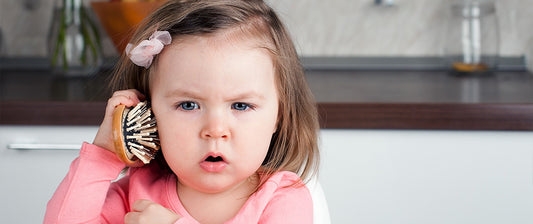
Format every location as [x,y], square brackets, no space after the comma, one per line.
[410,28]
[458,177]
[320,28]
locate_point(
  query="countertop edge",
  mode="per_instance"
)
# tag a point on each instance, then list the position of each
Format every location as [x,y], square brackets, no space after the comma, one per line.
[427,116]
[414,116]
[51,113]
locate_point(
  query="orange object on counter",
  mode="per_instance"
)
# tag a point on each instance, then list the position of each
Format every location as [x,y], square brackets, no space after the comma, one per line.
[120,19]
[463,67]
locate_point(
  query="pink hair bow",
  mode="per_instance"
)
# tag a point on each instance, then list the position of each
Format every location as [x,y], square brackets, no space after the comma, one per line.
[143,54]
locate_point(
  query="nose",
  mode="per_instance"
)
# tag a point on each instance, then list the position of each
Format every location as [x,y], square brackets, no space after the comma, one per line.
[215,127]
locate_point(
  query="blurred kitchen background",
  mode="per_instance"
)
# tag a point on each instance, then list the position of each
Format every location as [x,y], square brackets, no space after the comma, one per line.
[404,28]
[402,139]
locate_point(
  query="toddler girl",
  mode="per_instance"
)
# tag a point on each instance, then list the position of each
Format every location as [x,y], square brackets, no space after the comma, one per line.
[236,120]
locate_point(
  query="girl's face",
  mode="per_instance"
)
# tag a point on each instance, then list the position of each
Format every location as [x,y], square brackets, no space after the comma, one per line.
[216,106]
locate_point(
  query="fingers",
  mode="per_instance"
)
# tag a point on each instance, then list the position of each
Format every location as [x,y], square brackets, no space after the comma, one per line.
[145,211]
[104,136]
[130,97]
[137,215]
[141,205]
[133,218]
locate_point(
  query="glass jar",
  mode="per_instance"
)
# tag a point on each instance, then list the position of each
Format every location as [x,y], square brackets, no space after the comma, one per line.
[74,46]
[472,36]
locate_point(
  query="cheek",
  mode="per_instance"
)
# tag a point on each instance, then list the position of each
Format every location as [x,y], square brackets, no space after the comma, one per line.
[174,138]
[177,148]
[170,127]
[255,139]
[169,138]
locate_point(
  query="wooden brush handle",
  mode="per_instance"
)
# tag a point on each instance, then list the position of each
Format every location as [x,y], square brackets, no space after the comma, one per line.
[118,138]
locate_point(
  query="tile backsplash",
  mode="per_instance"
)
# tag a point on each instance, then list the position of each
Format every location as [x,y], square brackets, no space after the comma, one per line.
[320,28]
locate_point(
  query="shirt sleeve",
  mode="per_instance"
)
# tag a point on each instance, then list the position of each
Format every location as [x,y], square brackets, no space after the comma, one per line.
[289,205]
[82,193]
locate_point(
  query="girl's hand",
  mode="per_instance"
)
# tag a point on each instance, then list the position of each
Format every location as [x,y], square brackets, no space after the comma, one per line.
[104,136]
[145,211]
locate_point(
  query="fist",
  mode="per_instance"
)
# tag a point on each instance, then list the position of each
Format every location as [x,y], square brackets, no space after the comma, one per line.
[145,211]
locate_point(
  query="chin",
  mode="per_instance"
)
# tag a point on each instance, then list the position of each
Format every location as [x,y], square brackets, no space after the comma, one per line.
[213,187]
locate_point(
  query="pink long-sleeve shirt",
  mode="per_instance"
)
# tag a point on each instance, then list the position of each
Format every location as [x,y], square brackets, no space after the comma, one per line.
[88,195]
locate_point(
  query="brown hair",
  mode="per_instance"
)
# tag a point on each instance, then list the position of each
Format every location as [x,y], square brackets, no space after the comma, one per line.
[294,145]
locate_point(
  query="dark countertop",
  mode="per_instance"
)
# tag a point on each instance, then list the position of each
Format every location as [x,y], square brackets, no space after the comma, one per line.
[346,99]
[420,87]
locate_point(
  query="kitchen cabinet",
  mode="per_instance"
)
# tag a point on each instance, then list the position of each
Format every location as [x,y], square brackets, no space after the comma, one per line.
[30,176]
[368,176]
[418,177]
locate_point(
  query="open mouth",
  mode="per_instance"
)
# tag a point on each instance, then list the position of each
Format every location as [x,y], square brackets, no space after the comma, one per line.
[214,159]
[213,164]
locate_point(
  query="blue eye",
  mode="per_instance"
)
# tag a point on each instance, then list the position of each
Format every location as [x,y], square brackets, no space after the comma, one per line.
[240,106]
[188,105]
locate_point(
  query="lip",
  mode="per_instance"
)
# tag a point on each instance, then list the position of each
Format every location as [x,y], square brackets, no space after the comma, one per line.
[213,167]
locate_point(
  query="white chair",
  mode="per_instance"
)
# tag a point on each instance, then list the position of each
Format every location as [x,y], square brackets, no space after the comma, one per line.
[320,205]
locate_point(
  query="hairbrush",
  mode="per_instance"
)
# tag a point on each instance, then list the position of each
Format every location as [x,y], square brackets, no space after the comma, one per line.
[135,134]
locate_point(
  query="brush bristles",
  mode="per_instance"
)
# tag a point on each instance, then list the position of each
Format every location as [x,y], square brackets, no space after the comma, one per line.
[140,132]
